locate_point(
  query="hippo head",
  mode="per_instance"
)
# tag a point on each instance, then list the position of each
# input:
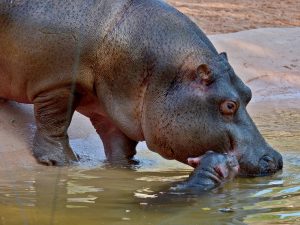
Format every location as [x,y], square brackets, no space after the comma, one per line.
[202,108]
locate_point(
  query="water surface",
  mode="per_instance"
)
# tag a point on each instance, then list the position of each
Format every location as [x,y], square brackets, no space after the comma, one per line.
[103,195]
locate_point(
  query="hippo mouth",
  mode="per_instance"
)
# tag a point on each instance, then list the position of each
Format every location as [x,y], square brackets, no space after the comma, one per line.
[266,165]
[194,161]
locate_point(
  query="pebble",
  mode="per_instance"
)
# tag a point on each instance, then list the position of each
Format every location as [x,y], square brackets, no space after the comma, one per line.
[226,210]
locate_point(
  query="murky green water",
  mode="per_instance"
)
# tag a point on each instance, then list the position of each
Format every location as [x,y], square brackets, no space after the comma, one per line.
[103,195]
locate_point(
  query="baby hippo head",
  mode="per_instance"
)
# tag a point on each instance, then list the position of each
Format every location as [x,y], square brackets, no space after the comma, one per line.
[215,168]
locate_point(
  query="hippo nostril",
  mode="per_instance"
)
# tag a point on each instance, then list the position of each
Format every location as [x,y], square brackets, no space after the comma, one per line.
[267,164]
[267,159]
[280,163]
[270,164]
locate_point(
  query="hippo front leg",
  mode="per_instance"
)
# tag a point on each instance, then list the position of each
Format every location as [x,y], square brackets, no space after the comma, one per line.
[53,113]
[119,149]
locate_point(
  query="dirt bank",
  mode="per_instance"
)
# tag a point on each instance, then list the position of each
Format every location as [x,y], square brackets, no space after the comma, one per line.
[226,16]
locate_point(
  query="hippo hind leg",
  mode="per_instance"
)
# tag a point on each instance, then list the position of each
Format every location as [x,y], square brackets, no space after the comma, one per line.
[53,112]
[119,149]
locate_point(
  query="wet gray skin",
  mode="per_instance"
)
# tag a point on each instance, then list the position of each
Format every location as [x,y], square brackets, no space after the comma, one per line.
[213,170]
[139,69]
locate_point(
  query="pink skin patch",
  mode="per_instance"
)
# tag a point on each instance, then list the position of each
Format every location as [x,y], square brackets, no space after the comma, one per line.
[194,161]
[222,171]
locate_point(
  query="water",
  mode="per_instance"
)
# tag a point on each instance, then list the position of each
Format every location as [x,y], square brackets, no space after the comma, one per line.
[103,195]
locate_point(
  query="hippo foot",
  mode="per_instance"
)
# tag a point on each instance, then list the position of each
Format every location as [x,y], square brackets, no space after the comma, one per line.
[123,163]
[53,152]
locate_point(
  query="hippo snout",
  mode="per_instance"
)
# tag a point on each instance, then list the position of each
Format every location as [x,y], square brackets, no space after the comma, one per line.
[269,163]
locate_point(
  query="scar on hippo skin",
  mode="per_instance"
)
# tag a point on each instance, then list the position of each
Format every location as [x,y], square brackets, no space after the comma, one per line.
[213,170]
[205,74]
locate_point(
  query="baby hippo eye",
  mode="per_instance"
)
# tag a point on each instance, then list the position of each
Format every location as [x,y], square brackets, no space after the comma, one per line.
[228,107]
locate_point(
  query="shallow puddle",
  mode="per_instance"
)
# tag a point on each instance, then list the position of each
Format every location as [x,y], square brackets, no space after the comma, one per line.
[103,195]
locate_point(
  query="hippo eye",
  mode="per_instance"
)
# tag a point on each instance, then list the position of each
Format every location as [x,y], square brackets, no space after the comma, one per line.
[228,107]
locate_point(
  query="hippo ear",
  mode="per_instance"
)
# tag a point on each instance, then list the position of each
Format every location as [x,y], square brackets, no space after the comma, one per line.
[224,55]
[205,74]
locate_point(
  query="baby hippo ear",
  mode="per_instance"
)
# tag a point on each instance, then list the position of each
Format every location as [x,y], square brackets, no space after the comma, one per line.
[194,161]
[224,55]
[205,74]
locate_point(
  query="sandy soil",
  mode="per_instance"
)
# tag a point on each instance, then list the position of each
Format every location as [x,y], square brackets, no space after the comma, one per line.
[267,60]
[225,16]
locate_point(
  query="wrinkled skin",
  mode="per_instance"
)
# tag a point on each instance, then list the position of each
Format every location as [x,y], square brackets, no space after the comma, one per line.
[213,170]
[139,69]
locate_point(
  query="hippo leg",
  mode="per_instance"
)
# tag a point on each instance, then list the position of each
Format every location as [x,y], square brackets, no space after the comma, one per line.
[119,149]
[53,112]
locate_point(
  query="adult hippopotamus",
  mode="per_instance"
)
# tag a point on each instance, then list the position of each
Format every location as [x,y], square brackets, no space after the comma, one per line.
[139,69]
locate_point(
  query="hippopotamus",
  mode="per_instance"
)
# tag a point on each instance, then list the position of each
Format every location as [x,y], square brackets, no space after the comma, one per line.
[139,69]
[213,170]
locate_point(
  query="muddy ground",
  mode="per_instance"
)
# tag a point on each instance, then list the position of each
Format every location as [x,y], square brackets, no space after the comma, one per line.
[226,16]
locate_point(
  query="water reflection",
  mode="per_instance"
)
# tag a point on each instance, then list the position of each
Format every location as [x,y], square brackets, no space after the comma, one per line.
[103,195]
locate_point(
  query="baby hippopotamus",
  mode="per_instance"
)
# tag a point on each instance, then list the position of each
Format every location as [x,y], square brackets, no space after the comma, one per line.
[213,170]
